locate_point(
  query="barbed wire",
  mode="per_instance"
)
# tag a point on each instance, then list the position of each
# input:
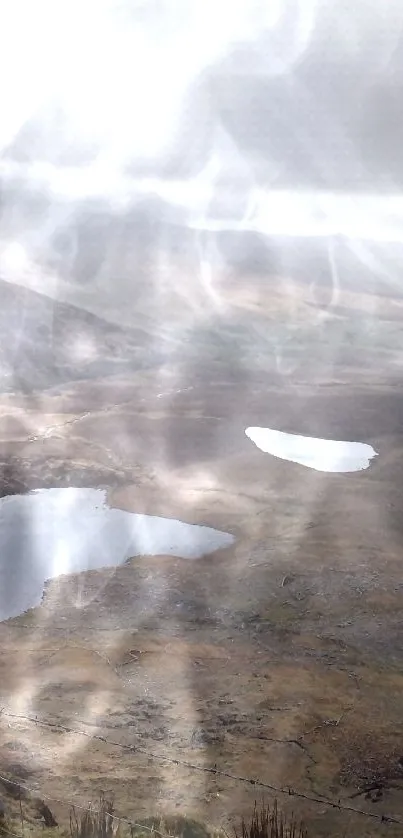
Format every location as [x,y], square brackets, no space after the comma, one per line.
[73,805]
[279,790]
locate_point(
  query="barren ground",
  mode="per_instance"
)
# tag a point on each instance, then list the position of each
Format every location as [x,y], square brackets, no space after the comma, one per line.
[278,660]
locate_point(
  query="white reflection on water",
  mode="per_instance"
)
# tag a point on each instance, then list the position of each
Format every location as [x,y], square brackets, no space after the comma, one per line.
[320,454]
[51,532]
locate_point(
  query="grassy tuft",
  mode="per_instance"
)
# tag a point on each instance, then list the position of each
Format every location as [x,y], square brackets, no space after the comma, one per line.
[95,822]
[270,823]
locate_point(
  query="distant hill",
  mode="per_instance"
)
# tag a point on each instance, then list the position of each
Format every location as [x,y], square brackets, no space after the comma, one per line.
[45,343]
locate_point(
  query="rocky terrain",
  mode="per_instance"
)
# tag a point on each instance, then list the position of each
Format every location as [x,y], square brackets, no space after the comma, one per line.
[195,687]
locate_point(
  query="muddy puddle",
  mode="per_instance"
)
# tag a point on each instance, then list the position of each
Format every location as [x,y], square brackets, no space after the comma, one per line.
[320,454]
[50,532]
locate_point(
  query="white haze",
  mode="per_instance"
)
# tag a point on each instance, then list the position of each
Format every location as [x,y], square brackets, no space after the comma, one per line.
[123,76]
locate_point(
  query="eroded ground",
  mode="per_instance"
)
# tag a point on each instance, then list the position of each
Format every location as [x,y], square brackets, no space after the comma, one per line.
[173,685]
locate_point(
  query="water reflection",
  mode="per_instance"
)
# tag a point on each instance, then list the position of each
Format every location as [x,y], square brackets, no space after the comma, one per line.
[320,454]
[51,532]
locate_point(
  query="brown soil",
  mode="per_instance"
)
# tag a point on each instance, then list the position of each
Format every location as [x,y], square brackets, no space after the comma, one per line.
[175,685]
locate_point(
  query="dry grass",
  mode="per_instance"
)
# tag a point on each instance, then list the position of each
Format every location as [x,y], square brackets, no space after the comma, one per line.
[101,822]
[95,822]
[270,823]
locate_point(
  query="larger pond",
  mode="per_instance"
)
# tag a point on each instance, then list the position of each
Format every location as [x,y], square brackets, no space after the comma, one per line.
[50,532]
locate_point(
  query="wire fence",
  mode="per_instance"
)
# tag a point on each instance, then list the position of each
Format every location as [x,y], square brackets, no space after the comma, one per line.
[251,781]
[73,806]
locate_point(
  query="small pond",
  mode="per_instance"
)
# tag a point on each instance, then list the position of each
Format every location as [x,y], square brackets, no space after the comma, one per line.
[321,454]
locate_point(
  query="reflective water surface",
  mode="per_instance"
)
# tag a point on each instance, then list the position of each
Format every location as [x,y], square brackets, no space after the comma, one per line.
[319,454]
[56,531]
